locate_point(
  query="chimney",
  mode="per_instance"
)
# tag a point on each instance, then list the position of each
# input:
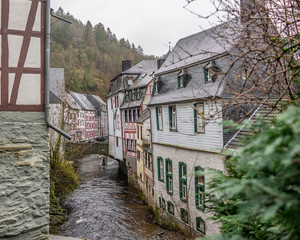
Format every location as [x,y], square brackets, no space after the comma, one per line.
[160,62]
[248,8]
[126,64]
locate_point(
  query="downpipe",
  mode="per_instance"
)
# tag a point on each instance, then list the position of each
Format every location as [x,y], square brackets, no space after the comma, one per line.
[47,77]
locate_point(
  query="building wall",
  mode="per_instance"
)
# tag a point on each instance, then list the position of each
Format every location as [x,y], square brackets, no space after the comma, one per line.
[115,126]
[24,175]
[210,140]
[192,159]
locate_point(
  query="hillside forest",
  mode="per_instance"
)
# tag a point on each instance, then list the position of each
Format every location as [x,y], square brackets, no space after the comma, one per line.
[90,55]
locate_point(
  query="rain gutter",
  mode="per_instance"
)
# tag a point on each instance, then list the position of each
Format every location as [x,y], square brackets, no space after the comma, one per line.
[47,77]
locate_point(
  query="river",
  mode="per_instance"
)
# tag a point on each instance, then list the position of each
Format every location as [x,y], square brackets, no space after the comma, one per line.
[106,207]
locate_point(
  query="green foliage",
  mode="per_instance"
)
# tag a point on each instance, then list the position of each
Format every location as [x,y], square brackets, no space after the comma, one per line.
[91,56]
[259,198]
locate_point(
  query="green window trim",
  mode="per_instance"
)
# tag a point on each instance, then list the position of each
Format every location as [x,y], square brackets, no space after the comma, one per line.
[172,120]
[160,174]
[208,77]
[170,207]
[196,130]
[199,195]
[155,89]
[200,221]
[184,215]
[162,203]
[182,181]
[169,176]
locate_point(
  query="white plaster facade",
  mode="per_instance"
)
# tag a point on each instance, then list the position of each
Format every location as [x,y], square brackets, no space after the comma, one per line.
[192,159]
[114,125]
[183,145]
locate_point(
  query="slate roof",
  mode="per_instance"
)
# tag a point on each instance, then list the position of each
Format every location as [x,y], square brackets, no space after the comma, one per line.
[145,65]
[71,102]
[97,102]
[135,103]
[194,53]
[82,101]
[141,67]
[54,99]
[201,46]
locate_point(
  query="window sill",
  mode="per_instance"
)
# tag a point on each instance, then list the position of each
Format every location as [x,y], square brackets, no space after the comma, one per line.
[161,180]
[170,193]
[199,133]
[200,208]
[183,199]
[173,130]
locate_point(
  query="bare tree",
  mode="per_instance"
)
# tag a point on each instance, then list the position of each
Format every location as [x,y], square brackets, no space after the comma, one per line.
[263,44]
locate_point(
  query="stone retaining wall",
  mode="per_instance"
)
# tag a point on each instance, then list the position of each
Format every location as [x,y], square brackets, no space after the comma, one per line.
[24,176]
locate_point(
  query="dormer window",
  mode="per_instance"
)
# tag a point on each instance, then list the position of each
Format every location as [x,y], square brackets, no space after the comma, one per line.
[209,75]
[129,80]
[182,78]
[245,73]
[127,97]
[138,94]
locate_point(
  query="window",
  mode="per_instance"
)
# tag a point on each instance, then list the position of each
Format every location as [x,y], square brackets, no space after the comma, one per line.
[160,168]
[199,118]
[138,155]
[184,215]
[138,132]
[111,103]
[138,113]
[129,80]
[170,207]
[172,118]
[199,188]
[133,95]
[138,94]
[162,203]
[155,87]
[159,119]
[133,115]
[182,181]
[244,73]
[180,81]
[169,176]
[127,144]
[208,75]
[129,115]
[125,116]
[117,142]
[141,133]
[200,225]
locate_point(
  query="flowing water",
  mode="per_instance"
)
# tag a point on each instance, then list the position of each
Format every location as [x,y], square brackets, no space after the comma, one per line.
[106,207]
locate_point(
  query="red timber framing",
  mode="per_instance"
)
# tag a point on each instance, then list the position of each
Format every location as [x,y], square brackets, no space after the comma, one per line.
[10,103]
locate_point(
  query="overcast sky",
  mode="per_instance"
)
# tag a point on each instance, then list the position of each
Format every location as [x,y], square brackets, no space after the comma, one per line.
[149,23]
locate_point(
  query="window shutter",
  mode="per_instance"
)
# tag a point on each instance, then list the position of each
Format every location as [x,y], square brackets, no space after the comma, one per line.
[157,122]
[178,81]
[195,118]
[206,75]
[170,116]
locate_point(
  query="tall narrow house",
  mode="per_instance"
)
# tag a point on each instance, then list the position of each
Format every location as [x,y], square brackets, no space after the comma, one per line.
[137,97]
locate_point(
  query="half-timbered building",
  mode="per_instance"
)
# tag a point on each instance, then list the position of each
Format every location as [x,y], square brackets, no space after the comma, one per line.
[137,96]
[24,140]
